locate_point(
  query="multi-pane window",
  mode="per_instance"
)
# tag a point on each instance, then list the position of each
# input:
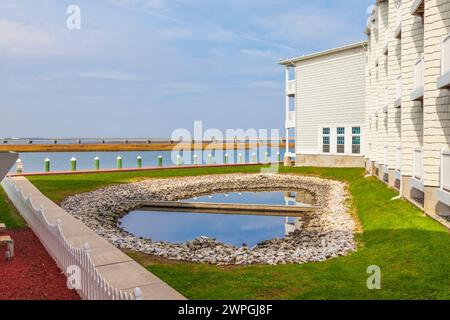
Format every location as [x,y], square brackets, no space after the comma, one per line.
[356,140]
[326,140]
[340,140]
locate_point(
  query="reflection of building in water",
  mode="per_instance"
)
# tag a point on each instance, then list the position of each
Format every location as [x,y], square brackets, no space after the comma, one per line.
[295,198]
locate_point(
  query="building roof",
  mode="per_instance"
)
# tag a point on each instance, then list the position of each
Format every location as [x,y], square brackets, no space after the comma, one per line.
[322,53]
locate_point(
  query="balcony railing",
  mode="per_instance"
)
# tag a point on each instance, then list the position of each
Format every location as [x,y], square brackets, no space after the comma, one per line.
[398,92]
[417,93]
[418,164]
[398,159]
[444,80]
[445,171]
[290,119]
[290,87]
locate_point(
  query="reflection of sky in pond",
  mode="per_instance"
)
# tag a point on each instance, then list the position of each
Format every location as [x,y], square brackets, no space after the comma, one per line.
[179,227]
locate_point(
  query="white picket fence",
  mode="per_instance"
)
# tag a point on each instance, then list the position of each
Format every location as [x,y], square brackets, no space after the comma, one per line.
[89,283]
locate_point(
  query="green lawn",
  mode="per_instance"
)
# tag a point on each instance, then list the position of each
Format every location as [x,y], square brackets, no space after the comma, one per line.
[8,213]
[411,249]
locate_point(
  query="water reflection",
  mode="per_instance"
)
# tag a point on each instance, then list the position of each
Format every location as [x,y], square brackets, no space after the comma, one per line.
[179,227]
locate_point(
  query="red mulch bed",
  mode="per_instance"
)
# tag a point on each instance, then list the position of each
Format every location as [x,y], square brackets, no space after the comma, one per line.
[32,275]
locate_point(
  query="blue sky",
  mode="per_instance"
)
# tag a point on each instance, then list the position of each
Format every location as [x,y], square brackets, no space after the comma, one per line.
[141,68]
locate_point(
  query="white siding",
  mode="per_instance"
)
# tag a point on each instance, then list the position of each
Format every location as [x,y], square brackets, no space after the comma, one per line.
[330,93]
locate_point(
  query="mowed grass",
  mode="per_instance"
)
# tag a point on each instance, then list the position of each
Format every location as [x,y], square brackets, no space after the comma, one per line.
[411,249]
[8,213]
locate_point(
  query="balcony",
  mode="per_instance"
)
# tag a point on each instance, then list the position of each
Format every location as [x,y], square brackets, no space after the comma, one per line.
[368,29]
[417,180]
[398,29]
[290,88]
[444,192]
[444,79]
[417,93]
[418,8]
[290,120]
[398,92]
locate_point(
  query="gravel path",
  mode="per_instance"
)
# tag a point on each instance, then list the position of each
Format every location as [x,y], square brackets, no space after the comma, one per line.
[325,233]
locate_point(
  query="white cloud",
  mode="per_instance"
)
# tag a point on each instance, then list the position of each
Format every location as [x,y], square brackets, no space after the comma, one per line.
[18,39]
[97,74]
[255,53]
[308,27]
[157,8]
[21,40]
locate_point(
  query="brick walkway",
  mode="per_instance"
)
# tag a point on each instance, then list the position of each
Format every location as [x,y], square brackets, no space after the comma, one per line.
[32,275]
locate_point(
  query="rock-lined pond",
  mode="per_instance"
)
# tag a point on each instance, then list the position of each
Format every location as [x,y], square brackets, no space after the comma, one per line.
[237,230]
[326,232]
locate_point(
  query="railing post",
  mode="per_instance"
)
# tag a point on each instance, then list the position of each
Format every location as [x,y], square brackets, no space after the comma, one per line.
[19,166]
[137,294]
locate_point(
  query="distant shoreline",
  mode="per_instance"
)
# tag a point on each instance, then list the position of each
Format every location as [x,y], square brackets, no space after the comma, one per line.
[127,147]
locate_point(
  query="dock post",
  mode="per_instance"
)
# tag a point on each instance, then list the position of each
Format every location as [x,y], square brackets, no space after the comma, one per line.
[139,162]
[160,161]
[97,163]
[73,164]
[47,165]
[119,162]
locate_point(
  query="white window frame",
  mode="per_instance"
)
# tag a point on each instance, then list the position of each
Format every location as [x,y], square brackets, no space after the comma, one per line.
[348,140]
[322,145]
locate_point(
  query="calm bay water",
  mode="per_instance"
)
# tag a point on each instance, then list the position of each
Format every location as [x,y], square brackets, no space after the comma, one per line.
[179,227]
[60,161]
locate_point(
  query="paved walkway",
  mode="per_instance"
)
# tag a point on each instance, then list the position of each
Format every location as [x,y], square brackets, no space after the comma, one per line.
[32,275]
